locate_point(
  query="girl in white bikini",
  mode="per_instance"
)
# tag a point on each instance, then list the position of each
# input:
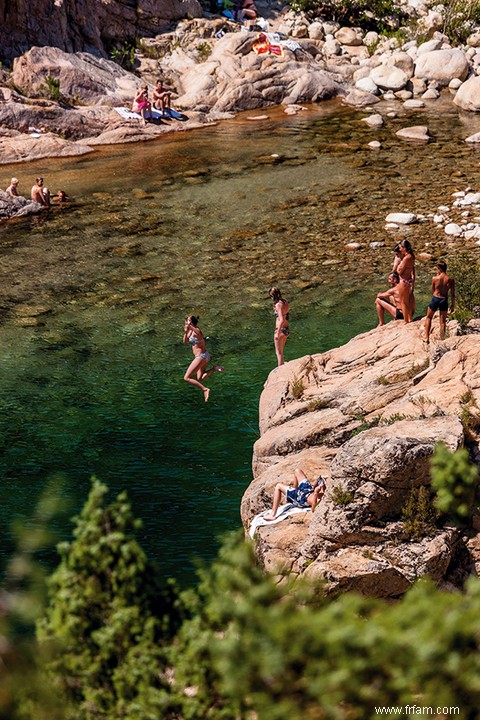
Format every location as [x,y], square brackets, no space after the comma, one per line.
[193,335]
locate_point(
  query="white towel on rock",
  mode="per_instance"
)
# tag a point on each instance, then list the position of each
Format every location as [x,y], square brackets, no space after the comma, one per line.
[283,512]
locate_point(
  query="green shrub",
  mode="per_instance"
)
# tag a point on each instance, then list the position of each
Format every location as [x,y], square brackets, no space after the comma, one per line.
[341,496]
[466,273]
[204,51]
[51,88]
[459,19]
[298,387]
[455,481]
[379,15]
[419,515]
[124,54]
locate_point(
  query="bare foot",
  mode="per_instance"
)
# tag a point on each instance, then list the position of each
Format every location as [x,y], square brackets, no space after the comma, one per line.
[425,338]
[206,393]
[380,324]
[269,517]
[218,368]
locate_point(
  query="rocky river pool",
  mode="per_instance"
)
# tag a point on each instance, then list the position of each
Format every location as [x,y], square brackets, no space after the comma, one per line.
[94,294]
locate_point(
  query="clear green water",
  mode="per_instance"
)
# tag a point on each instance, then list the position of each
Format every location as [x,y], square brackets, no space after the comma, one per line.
[200,223]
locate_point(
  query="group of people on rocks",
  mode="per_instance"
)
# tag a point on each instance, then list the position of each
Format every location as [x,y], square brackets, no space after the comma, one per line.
[399,300]
[161,101]
[39,193]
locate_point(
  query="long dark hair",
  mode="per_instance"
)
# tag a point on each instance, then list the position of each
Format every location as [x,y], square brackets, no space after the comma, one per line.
[276,295]
[194,320]
[406,244]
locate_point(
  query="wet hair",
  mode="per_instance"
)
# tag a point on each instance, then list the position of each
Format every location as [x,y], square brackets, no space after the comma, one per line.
[442,265]
[194,320]
[395,275]
[37,180]
[396,249]
[406,244]
[275,294]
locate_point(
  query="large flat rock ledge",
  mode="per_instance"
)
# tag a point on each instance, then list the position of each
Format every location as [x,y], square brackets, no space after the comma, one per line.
[368,415]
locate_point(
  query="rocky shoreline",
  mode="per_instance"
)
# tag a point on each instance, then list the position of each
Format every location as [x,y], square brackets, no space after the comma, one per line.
[368,416]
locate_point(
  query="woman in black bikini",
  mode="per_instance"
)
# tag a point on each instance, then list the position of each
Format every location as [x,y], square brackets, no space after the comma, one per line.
[280,310]
[193,335]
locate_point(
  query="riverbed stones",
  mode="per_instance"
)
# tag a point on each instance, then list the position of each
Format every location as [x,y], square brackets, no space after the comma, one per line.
[374,121]
[389,78]
[415,132]
[442,66]
[468,95]
[349,36]
[401,218]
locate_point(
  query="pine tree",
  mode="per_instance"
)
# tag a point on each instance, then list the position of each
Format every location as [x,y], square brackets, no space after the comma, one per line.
[108,619]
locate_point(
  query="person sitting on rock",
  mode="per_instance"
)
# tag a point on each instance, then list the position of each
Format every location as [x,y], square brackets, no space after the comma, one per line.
[161,98]
[245,12]
[12,189]
[390,300]
[141,104]
[302,494]
[40,194]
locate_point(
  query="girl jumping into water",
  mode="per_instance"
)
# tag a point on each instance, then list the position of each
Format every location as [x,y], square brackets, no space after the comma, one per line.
[193,335]
[280,310]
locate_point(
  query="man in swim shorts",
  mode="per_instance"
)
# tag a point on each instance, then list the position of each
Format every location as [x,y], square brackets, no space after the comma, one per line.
[442,284]
[390,300]
[302,494]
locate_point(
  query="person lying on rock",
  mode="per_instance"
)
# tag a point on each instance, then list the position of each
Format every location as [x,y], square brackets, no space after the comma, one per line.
[303,494]
[12,189]
[390,300]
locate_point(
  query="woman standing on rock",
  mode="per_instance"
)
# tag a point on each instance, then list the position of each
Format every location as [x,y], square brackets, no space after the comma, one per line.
[193,335]
[406,270]
[282,331]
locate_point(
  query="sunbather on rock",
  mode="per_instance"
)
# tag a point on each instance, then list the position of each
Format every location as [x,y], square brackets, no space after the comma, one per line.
[302,494]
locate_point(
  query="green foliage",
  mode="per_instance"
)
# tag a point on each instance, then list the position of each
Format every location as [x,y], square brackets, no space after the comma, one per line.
[379,15]
[419,514]
[124,54]
[51,88]
[24,693]
[341,496]
[256,649]
[466,272]
[460,17]
[455,481]
[204,51]
[108,618]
